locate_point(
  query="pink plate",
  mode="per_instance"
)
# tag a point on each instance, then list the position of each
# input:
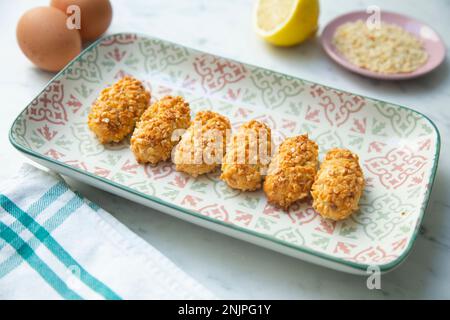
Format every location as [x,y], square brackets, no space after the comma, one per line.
[432,42]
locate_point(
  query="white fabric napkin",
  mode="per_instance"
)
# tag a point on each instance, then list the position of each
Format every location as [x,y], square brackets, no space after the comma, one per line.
[54,244]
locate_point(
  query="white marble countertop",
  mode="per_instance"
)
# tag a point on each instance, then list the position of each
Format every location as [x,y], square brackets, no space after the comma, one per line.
[231,268]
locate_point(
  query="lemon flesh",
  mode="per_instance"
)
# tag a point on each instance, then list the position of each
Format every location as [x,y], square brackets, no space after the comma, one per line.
[286,22]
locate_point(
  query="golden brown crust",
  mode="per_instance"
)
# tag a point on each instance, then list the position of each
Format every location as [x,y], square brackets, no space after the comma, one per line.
[338,185]
[153,139]
[205,137]
[247,157]
[117,109]
[291,171]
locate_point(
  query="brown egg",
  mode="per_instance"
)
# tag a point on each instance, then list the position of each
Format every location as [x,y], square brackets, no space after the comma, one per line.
[95,15]
[44,38]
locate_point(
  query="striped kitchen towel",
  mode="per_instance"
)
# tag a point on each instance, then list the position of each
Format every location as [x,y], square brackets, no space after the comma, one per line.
[56,245]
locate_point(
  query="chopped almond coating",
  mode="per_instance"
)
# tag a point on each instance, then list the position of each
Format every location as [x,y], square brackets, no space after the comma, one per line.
[291,172]
[156,132]
[117,109]
[248,155]
[338,185]
[203,145]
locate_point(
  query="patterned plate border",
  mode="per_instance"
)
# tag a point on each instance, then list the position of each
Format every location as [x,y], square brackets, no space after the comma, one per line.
[358,267]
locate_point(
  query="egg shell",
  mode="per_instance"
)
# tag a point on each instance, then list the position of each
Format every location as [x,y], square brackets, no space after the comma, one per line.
[44,38]
[96,15]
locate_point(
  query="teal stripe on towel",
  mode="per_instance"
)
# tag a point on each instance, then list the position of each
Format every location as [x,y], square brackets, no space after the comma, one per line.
[28,254]
[37,207]
[51,224]
[47,199]
[91,204]
[58,251]
[50,196]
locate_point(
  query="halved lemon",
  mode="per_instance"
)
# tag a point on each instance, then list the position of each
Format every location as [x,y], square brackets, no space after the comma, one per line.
[286,22]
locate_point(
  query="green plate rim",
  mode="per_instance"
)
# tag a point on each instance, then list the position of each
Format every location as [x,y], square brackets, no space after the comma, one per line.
[354,265]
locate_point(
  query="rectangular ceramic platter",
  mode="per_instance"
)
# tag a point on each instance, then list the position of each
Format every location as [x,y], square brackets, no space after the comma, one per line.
[398,150]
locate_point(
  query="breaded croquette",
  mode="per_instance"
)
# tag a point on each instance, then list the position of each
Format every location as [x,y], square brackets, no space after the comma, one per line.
[247,157]
[338,185]
[155,134]
[117,109]
[203,145]
[291,172]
